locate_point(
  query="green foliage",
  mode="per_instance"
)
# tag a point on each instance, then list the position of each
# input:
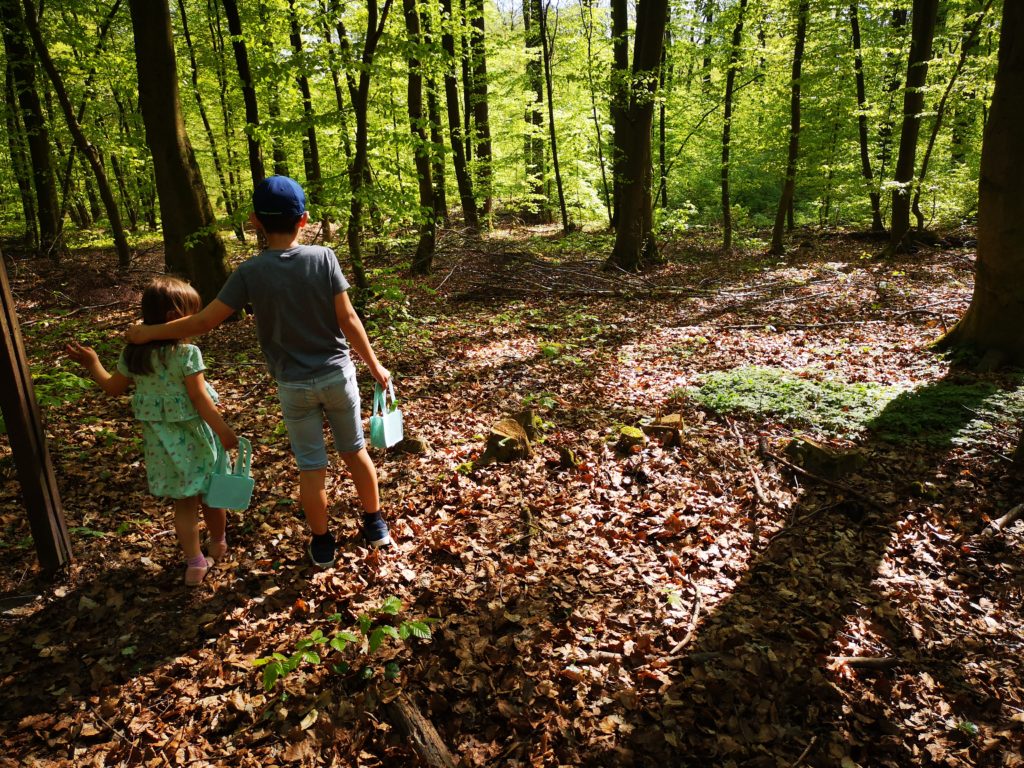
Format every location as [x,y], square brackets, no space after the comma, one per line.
[369,634]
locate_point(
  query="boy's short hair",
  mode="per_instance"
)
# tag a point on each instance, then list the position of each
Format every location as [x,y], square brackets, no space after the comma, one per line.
[279,202]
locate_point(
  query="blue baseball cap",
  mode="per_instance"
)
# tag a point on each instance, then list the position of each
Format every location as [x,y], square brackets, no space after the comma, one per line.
[278,196]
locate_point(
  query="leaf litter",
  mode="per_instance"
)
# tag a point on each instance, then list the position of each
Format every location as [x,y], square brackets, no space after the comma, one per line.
[690,605]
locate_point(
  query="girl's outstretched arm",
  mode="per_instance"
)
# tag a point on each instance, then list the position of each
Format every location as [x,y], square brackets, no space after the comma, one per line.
[112,383]
[195,385]
[208,318]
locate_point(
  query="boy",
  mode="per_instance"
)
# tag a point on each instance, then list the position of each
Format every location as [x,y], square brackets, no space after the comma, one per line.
[306,325]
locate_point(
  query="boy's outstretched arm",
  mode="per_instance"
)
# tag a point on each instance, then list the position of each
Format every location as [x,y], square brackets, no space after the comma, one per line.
[352,327]
[206,319]
[112,383]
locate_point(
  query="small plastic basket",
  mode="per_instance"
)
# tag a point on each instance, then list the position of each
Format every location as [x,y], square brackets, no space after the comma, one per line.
[385,422]
[231,488]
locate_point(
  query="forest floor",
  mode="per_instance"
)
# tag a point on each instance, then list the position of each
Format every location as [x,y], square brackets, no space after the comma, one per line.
[697,605]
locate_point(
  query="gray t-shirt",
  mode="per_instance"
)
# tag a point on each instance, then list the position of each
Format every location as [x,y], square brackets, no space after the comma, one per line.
[292,295]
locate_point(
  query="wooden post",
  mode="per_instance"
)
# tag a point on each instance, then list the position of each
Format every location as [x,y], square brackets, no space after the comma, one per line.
[28,441]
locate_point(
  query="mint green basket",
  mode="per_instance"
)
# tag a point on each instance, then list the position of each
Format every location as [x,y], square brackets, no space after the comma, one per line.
[385,420]
[231,488]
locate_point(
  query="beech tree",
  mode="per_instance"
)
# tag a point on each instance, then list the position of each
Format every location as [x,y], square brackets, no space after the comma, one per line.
[991,324]
[192,246]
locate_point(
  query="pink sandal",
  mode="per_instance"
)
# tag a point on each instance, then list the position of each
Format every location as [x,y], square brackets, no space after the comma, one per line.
[195,574]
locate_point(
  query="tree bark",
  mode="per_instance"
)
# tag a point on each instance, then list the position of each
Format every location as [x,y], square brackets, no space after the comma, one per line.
[789,184]
[634,237]
[587,18]
[992,321]
[481,107]
[862,124]
[19,56]
[252,112]
[451,90]
[19,161]
[436,132]
[619,102]
[730,82]
[533,139]
[192,246]
[424,255]
[922,31]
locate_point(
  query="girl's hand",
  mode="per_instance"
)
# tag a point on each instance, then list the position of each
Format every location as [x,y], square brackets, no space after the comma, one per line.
[81,354]
[228,439]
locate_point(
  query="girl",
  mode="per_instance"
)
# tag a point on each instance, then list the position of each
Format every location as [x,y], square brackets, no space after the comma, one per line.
[176,408]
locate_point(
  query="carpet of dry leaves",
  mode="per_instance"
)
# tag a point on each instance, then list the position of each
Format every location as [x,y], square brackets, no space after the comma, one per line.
[647,609]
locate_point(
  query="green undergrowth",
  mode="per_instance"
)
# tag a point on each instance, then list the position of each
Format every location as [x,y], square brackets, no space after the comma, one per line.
[942,412]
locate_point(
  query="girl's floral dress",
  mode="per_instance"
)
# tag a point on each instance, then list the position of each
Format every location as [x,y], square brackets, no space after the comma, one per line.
[180,447]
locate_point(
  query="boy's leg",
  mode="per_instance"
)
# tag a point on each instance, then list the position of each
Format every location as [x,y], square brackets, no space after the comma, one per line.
[313,498]
[364,475]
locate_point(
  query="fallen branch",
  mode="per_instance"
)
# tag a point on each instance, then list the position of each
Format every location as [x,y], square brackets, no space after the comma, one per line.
[864,662]
[763,450]
[420,732]
[1004,522]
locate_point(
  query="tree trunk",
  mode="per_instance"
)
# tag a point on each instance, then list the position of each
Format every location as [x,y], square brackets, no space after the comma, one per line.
[481,117]
[546,52]
[218,166]
[789,184]
[533,140]
[82,143]
[192,245]
[19,56]
[436,133]
[862,124]
[967,44]
[922,30]
[587,18]
[252,112]
[274,105]
[992,321]
[19,161]
[227,119]
[424,255]
[451,90]
[664,82]
[730,82]
[310,149]
[619,101]
[359,171]
[634,236]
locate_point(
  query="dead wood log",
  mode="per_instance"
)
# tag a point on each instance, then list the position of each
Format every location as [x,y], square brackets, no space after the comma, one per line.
[1004,522]
[422,736]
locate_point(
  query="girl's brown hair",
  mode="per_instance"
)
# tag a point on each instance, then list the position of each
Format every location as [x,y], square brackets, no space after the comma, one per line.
[165,298]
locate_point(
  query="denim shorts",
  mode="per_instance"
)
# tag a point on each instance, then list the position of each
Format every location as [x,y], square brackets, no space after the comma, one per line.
[304,405]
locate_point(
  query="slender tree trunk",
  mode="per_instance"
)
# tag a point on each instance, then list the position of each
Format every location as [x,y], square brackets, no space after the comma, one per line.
[533,140]
[359,172]
[730,81]
[992,321]
[634,237]
[964,108]
[274,101]
[789,184]
[467,81]
[885,130]
[339,96]
[191,244]
[481,107]
[587,19]
[451,89]
[663,85]
[436,132]
[227,118]
[310,148]
[546,44]
[19,56]
[218,166]
[922,31]
[82,143]
[862,124]
[252,112]
[620,91]
[423,258]
[19,161]
[126,197]
[967,44]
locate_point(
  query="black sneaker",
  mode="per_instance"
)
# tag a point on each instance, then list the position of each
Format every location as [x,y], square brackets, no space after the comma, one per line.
[375,532]
[321,550]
